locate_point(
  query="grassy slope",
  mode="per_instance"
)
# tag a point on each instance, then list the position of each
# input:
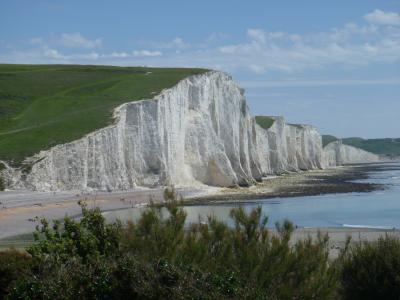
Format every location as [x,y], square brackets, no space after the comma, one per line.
[264,121]
[379,146]
[326,139]
[45,105]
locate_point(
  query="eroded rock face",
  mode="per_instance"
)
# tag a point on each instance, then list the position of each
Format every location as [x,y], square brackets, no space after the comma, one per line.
[286,147]
[197,132]
[337,154]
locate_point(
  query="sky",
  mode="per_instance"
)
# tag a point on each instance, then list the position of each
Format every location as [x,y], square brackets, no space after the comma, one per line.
[332,64]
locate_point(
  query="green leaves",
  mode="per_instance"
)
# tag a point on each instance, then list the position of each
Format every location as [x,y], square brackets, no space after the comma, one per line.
[372,270]
[90,237]
[162,257]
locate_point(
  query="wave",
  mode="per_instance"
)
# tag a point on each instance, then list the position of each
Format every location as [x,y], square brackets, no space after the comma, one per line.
[368,226]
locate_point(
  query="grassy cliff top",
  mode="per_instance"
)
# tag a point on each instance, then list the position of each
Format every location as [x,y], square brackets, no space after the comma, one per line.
[387,146]
[264,121]
[45,105]
[327,139]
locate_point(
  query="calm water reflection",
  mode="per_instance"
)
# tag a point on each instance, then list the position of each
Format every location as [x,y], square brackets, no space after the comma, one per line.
[375,209]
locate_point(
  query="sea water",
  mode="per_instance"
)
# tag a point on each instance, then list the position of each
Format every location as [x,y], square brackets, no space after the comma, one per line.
[378,209]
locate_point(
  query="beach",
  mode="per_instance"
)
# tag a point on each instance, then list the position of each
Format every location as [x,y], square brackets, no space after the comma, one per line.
[20,210]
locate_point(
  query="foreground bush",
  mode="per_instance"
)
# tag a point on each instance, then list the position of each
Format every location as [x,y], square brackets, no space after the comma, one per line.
[372,270]
[13,266]
[158,257]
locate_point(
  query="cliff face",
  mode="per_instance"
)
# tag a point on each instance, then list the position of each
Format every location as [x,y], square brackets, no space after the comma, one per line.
[286,147]
[198,132]
[337,154]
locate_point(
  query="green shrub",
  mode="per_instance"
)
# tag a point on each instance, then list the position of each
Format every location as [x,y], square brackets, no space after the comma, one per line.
[159,257]
[13,265]
[372,270]
[2,185]
[84,239]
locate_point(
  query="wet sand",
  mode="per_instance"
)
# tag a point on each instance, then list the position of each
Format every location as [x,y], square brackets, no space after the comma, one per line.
[306,183]
[19,209]
[339,236]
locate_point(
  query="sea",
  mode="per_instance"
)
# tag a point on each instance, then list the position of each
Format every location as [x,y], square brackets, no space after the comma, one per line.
[378,209]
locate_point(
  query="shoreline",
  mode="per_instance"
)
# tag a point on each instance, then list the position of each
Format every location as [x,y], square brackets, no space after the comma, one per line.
[338,180]
[18,210]
[338,237]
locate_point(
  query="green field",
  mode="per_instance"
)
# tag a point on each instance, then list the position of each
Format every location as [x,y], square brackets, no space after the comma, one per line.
[265,122]
[326,139]
[387,146]
[45,105]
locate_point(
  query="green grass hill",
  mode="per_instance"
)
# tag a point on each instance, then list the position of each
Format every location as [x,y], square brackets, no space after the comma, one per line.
[45,105]
[326,139]
[264,121]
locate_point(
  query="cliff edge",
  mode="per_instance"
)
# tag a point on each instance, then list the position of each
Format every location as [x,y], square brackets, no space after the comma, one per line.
[199,132]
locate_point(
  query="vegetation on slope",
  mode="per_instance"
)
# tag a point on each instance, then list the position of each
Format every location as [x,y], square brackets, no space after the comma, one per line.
[327,139]
[45,105]
[159,258]
[264,121]
[387,146]
[371,270]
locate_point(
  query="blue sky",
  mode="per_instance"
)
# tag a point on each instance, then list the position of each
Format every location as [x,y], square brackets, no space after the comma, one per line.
[333,64]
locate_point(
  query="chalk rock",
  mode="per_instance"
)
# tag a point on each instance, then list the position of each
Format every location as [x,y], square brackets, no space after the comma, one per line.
[199,132]
[337,154]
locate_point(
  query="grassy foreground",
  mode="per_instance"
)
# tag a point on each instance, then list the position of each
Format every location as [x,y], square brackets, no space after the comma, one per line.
[45,105]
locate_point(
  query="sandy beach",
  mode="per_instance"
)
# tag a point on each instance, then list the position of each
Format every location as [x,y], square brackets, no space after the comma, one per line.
[338,236]
[19,209]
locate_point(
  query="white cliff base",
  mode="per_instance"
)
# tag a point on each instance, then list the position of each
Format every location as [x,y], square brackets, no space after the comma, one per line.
[199,132]
[337,154]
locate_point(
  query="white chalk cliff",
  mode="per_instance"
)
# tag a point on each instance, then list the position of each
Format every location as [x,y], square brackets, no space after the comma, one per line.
[284,147]
[198,132]
[337,154]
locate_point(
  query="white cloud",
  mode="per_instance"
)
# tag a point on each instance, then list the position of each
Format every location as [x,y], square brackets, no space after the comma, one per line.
[76,40]
[257,35]
[118,55]
[179,43]
[216,36]
[146,53]
[175,43]
[349,46]
[53,54]
[383,18]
